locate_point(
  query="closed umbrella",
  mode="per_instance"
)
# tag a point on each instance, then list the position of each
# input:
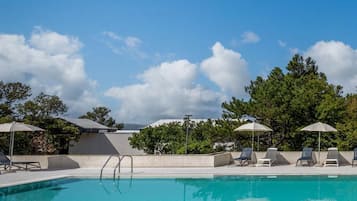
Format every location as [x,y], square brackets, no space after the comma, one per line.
[253,127]
[319,127]
[16,127]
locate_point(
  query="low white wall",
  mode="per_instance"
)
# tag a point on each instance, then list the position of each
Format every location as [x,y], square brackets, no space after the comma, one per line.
[153,161]
[139,161]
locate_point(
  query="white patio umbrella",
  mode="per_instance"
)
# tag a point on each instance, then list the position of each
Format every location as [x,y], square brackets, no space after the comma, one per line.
[319,127]
[16,127]
[254,127]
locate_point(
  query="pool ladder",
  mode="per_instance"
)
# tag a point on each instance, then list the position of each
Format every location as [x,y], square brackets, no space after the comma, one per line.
[117,166]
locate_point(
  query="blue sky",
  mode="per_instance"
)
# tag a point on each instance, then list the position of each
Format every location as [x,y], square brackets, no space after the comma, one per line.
[112,52]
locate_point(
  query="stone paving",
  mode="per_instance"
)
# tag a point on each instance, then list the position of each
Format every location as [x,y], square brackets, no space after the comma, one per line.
[21,177]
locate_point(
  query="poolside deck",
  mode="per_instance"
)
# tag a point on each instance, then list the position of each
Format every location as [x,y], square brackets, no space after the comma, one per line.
[21,177]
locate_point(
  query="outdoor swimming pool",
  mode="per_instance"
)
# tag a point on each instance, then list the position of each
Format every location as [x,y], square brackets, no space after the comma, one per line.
[225,188]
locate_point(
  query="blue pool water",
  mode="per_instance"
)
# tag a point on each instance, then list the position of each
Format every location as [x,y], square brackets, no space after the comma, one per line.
[223,188]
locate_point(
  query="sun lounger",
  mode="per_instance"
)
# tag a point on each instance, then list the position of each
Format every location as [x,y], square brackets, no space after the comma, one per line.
[269,159]
[245,156]
[354,156]
[306,156]
[5,162]
[332,158]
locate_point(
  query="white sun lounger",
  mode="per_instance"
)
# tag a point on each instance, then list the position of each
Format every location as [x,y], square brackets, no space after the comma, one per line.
[269,159]
[332,158]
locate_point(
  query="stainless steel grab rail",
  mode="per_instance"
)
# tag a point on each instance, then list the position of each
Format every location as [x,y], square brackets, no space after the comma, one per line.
[117,166]
[105,164]
[121,157]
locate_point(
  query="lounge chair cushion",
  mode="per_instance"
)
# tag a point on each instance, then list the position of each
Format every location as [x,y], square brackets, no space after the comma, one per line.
[306,155]
[245,156]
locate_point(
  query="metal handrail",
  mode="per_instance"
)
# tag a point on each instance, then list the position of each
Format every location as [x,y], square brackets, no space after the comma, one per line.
[119,163]
[105,164]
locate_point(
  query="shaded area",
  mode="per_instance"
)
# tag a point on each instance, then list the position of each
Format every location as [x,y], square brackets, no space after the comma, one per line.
[93,144]
[61,162]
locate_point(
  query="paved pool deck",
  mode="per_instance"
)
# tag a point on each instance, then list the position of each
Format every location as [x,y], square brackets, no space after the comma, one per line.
[22,177]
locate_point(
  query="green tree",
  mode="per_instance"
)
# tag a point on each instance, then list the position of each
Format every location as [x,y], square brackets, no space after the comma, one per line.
[41,108]
[39,111]
[171,137]
[348,127]
[11,94]
[167,138]
[42,111]
[287,102]
[101,115]
[61,134]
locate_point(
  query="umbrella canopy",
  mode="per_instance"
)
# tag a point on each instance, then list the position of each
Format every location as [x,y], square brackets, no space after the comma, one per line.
[319,127]
[16,127]
[253,127]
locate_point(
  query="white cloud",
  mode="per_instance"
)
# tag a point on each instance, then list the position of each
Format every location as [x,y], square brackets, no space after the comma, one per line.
[132,42]
[281,43]
[48,62]
[338,61]
[227,69]
[124,45]
[250,37]
[166,91]
[112,35]
[54,43]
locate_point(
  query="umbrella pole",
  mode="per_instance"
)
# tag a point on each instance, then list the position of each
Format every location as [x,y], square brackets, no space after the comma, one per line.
[253,141]
[12,137]
[12,147]
[319,145]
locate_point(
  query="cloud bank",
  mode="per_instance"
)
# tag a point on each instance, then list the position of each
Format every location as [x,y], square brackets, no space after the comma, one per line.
[165,91]
[338,61]
[169,89]
[48,62]
[227,69]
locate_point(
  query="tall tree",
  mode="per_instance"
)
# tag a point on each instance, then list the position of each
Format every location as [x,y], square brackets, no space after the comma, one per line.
[42,111]
[101,115]
[11,94]
[41,108]
[286,102]
[39,111]
[348,127]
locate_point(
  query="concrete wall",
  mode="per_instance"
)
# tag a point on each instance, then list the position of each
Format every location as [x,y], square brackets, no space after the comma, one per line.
[103,144]
[139,161]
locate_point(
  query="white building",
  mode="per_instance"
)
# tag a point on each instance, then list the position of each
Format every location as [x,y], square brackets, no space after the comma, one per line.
[97,139]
